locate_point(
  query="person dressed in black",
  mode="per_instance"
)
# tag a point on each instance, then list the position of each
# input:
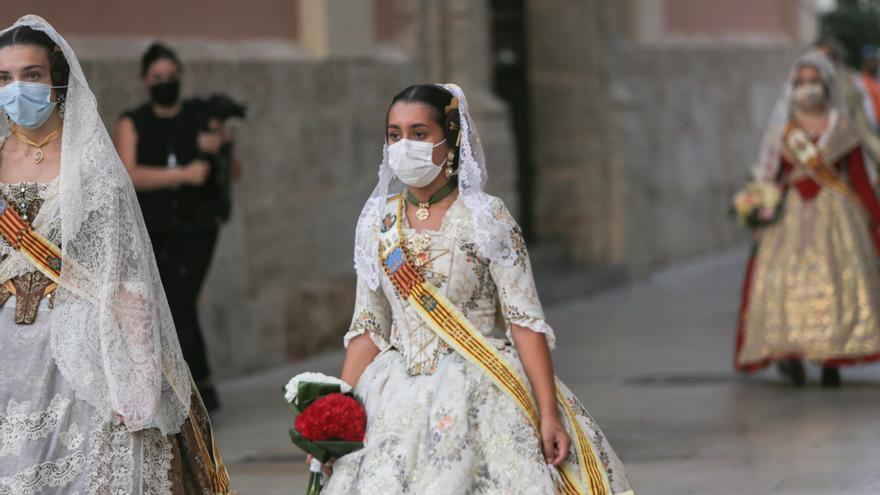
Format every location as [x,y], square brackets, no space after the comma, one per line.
[172,149]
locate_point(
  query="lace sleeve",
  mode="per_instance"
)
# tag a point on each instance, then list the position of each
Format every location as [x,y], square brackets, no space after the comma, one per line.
[113,336]
[372,315]
[516,285]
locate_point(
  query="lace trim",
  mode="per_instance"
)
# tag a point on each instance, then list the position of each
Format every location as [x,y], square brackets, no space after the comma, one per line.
[111,465]
[18,425]
[537,325]
[48,474]
[72,438]
[156,467]
[366,323]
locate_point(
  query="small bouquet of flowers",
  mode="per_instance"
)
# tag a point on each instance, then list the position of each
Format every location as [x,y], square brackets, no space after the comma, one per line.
[329,422]
[758,204]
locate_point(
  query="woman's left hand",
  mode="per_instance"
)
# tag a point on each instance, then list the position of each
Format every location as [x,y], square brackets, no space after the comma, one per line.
[555,440]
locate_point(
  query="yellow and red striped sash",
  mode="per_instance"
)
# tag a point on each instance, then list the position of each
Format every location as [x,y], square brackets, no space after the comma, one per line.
[809,158]
[585,477]
[44,255]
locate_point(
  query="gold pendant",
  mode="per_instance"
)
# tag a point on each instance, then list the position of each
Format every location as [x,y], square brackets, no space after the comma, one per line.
[422,213]
[38,156]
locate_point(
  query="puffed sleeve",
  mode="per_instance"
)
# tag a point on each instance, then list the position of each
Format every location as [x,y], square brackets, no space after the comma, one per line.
[517,294]
[372,315]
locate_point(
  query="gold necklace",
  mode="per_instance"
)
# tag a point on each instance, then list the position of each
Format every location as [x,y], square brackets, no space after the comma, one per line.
[39,156]
[423,213]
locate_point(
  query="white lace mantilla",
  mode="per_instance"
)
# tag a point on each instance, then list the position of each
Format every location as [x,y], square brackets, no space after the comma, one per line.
[113,337]
[492,239]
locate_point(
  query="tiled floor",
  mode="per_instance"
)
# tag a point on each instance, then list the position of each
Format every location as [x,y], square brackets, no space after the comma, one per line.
[652,362]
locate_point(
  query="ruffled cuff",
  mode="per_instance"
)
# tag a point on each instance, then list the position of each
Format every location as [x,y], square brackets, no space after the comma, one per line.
[367,321]
[378,341]
[537,325]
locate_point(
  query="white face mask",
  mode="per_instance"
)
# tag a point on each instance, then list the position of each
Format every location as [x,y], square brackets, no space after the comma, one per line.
[809,95]
[412,162]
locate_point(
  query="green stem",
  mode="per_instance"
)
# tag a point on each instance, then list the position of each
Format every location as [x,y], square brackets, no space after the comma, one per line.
[314,484]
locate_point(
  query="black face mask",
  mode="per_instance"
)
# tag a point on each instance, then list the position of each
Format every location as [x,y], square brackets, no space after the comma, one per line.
[165,94]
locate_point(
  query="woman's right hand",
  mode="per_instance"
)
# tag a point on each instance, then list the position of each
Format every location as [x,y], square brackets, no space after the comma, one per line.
[327,467]
[195,173]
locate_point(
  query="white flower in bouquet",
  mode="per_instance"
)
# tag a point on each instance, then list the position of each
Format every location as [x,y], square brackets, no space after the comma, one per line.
[292,387]
[770,194]
[743,203]
[763,197]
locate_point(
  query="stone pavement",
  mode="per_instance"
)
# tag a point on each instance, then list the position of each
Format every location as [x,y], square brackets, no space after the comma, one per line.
[652,362]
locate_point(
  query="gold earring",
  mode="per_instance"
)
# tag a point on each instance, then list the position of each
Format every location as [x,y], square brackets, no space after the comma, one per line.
[447,167]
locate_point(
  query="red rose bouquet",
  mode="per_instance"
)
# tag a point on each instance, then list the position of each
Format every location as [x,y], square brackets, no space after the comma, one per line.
[329,422]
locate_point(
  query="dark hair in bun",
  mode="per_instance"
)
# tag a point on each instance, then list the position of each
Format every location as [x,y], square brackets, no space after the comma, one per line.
[158,51]
[59,70]
[437,99]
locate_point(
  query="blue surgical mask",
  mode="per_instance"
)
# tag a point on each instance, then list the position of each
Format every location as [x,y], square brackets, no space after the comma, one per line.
[27,104]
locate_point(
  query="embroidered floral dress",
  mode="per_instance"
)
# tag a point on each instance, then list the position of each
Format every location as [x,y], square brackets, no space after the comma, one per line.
[50,441]
[436,423]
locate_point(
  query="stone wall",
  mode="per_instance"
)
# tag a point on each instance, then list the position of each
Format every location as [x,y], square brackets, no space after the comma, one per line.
[309,148]
[688,121]
[282,281]
[639,146]
[204,19]
[575,180]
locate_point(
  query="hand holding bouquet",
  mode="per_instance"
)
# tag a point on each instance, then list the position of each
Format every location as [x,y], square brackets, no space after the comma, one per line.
[758,204]
[329,422]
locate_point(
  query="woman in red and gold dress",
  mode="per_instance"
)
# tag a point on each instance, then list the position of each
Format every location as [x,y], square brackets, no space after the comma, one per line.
[812,287]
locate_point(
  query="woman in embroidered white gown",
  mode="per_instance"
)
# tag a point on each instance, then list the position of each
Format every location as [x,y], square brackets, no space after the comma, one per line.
[436,423]
[94,394]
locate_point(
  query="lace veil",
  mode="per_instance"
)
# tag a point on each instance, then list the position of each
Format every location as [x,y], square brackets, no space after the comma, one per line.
[767,166]
[492,225]
[112,335]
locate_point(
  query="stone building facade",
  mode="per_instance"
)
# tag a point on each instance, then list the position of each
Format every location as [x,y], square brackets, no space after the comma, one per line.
[317,76]
[642,118]
[646,117]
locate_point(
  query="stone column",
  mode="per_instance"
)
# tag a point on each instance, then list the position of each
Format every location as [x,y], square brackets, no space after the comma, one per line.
[448,39]
[801,20]
[577,200]
[337,28]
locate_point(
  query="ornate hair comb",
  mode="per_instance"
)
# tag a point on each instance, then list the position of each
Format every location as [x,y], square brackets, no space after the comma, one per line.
[453,105]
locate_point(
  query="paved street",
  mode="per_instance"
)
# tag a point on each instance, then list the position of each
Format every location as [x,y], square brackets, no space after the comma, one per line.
[652,362]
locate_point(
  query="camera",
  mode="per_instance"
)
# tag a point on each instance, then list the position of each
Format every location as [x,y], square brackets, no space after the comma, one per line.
[221,107]
[217,204]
